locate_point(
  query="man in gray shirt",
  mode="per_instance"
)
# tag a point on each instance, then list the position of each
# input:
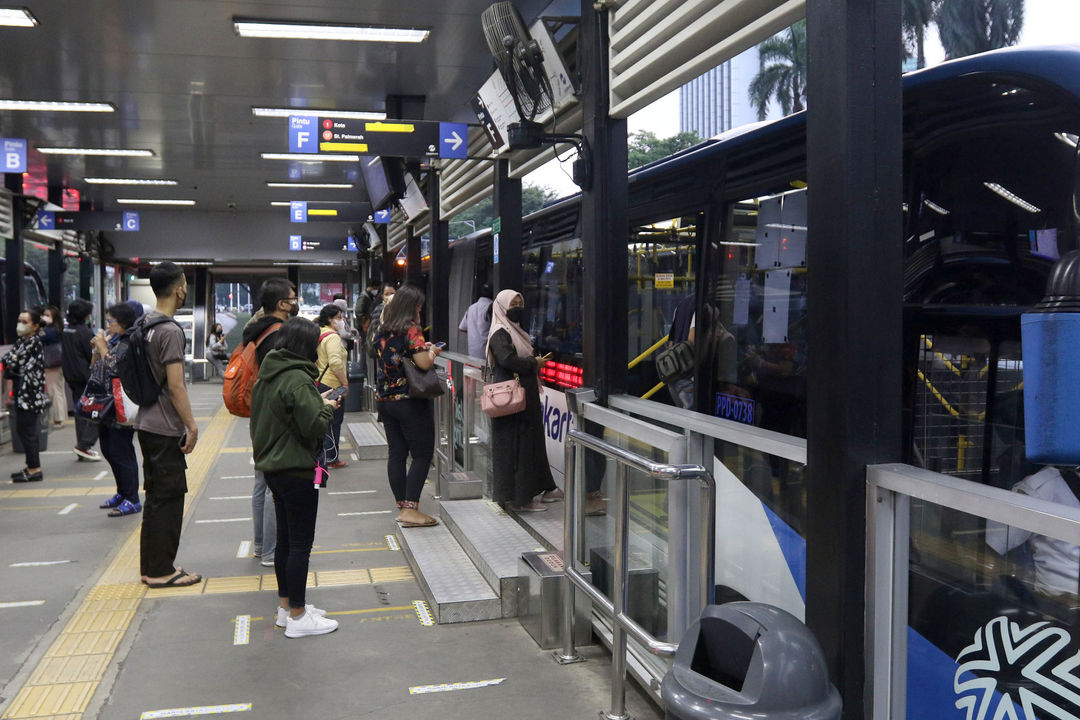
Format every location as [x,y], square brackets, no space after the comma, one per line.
[477,322]
[167,432]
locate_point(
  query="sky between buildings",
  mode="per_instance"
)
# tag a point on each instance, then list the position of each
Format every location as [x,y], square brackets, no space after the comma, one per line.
[1046,22]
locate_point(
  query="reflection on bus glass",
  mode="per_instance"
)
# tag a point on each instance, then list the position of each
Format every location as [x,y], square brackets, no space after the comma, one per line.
[732,407]
[561,375]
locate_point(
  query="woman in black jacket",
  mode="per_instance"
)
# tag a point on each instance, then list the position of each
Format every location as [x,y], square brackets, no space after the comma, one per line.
[25,365]
[518,451]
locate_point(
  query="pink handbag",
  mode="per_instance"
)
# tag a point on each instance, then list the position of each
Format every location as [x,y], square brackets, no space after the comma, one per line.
[504,398]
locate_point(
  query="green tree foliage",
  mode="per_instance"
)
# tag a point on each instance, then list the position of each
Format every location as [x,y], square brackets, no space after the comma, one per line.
[480,215]
[967,27]
[643,147]
[916,16]
[782,76]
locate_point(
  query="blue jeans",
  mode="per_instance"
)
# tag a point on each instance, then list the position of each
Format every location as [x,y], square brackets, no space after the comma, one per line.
[263,517]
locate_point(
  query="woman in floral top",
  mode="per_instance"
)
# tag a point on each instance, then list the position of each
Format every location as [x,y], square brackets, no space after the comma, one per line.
[409,423]
[25,365]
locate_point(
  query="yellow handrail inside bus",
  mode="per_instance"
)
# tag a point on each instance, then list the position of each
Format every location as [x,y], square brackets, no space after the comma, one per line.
[941,398]
[659,344]
[656,388]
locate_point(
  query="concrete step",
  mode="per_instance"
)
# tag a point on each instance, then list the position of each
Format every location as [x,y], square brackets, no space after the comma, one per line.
[493,541]
[453,586]
[368,440]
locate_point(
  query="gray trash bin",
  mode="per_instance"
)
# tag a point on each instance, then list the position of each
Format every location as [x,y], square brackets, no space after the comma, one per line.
[354,401]
[747,659]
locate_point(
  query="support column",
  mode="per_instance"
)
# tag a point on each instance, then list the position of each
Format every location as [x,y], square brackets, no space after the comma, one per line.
[507,244]
[13,254]
[201,315]
[439,301]
[413,271]
[54,291]
[604,224]
[854,306]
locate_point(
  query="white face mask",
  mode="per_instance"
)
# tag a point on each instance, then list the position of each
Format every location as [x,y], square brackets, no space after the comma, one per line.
[46,320]
[23,329]
[337,324]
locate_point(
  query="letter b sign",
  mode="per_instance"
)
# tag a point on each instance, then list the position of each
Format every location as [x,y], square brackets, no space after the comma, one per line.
[13,155]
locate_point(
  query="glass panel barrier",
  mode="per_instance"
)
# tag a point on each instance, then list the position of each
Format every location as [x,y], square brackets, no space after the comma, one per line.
[982,609]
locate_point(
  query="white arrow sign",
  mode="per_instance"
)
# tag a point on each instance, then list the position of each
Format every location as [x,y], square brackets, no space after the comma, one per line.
[455,140]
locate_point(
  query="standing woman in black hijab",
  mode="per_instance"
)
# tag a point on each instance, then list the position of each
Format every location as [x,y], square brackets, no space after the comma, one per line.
[518,450]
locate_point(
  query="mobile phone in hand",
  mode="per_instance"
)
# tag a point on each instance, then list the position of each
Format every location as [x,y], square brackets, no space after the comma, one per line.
[337,392]
[440,345]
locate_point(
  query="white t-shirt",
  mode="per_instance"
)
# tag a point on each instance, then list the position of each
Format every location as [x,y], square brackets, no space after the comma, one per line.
[1056,562]
[477,325]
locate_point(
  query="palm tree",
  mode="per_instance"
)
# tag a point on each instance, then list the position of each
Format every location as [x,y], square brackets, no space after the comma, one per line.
[783,72]
[916,17]
[967,27]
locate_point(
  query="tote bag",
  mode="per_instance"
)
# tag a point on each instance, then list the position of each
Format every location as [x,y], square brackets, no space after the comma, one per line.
[504,398]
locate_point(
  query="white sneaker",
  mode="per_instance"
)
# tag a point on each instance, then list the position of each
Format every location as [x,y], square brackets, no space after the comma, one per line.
[267,563]
[283,614]
[309,624]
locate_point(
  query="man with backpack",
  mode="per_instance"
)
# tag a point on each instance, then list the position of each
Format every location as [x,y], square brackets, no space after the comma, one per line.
[166,426]
[279,302]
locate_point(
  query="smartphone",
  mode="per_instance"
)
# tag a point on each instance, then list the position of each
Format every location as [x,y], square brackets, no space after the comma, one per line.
[337,392]
[183,440]
[440,345]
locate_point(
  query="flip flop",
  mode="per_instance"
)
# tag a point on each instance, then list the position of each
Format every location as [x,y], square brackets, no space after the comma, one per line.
[406,524]
[174,581]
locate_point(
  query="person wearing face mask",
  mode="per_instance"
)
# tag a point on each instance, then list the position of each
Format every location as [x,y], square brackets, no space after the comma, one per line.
[365,304]
[24,364]
[278,303]
[332,366]
[518,451]
[347,332]
[75,341]
[52,322]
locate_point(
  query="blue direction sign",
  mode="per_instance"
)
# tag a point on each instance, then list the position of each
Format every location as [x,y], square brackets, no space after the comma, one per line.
[298,211]
[381,217]
[350,244]
[13,154]
[46,220]
[303,136]
[131,222]
[453,140]
[110,221]
[296,243]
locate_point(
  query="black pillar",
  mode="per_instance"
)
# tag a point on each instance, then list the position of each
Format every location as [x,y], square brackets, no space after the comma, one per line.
[413,270]
[507,209]
[854,257]
[201,312]
[13,254]
[54,291]
[388,258]
[294,278]
[604,224]
[439,301]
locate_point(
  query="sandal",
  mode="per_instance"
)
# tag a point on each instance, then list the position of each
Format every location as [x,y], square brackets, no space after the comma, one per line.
[126,507]
[174,581]
[112,502]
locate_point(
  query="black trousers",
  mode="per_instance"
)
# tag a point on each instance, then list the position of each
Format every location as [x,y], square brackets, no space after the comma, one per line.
[86,432]
[165,484]
[28,427]
[118,448]
[410,430]
[296,503]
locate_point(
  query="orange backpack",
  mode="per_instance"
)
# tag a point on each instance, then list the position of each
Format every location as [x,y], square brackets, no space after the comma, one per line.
[241,374]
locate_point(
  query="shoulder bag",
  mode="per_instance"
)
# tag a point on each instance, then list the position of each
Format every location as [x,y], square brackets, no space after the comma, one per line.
[423,384]
[503,398]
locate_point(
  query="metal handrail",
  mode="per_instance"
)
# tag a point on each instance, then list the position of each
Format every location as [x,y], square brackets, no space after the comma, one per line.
[622,623]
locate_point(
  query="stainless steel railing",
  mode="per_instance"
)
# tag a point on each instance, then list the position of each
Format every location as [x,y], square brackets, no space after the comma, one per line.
[622,624]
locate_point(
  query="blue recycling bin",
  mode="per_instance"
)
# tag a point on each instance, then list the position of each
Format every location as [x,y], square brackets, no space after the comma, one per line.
[1050,337]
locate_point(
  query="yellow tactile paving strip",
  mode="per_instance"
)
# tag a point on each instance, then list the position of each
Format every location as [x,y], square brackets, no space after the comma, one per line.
[63,683]
[256,583]
[57,492]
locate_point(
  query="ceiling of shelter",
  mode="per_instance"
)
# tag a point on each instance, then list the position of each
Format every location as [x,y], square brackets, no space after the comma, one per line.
[183,84]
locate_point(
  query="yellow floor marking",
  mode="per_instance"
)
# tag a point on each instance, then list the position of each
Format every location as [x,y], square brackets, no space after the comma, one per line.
[256,583]
[245,450]
[396,608]
[391,574]
[217,586]
[330,578]
[269,581]
[65,680]
[348,550]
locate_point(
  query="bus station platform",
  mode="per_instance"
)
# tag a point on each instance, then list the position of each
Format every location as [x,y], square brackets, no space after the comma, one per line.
[84,638]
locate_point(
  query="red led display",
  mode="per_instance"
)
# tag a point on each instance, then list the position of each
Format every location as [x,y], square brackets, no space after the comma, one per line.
[562,375]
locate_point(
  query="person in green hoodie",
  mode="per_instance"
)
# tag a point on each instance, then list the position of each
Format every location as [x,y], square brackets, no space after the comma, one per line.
[288,420]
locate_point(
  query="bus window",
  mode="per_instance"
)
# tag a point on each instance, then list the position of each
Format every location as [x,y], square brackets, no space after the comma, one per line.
[662,257]
[552,287]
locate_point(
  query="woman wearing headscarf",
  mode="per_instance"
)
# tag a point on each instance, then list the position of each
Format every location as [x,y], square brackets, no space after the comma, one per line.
[519,455]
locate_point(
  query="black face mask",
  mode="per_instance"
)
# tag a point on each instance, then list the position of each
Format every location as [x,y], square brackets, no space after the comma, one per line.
[514,314]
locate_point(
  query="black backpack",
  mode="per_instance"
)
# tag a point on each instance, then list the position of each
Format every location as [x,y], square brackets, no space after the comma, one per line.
[133,362]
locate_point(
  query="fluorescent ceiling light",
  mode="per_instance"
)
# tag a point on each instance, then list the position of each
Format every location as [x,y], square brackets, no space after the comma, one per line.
[935,207]
[248,27]
[280,203]
[153,201]
[317,186]
[308,264]
[126,181]
[184,263]
[1012,197]
[17,17]
[309,157]
[56,105]
[111,152]
[284,112]
[1069,139]
[739,244]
